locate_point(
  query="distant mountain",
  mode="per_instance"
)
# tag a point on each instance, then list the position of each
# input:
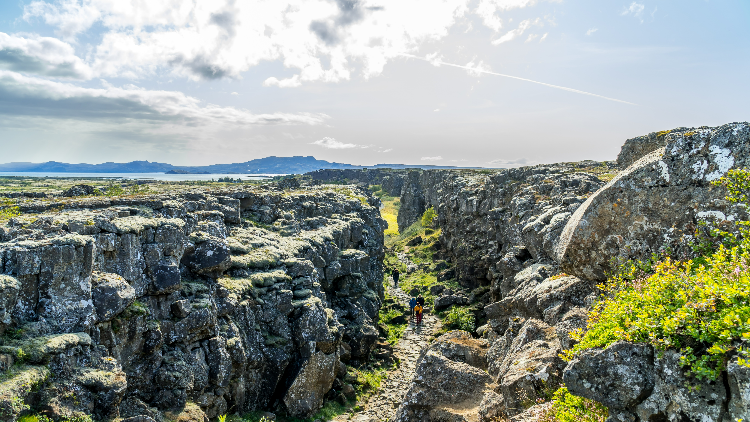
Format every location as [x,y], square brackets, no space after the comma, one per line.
[268,165]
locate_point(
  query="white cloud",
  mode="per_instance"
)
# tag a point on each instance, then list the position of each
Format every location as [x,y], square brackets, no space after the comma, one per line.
[544,37]
[208,39]
[487,10]
[292,82]
[513,34]
[42,56]
[519,162]
[438,158]
[234,93]
[387,150]
[635,9]
[437,109]
[332,143]
[24,95]
[476,69]
[591,31]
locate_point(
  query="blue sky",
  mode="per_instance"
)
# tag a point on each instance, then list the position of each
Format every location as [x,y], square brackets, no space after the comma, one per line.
[363,81]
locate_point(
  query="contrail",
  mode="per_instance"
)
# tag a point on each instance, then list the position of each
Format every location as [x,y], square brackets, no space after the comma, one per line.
[474,69]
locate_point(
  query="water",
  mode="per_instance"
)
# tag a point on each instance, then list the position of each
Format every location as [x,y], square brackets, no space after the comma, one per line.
[141,176]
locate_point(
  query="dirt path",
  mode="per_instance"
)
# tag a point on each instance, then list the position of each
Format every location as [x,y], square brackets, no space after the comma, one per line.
[382,405]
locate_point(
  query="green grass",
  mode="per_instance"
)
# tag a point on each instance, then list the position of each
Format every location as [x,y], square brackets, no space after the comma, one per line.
[394,331]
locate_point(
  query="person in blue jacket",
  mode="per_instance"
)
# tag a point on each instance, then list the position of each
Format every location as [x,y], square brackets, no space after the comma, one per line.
[412,304]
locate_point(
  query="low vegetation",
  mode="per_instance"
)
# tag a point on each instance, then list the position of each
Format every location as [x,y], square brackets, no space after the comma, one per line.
[699,306]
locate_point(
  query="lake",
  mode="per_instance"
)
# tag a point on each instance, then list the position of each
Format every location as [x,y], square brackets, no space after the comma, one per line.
[140,176]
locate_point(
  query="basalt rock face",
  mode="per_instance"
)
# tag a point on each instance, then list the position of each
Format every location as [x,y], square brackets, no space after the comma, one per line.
[200,300]
[498,223]
[390,180]
[542,237]
[657,202]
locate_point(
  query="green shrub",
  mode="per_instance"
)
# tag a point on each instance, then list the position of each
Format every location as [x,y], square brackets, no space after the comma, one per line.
[429,218]
[569,408]
[460,319]
[8,209]
[114,189]
[699,307]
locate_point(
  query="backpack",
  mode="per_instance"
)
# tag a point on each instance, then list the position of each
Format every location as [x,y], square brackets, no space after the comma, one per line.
[418,309]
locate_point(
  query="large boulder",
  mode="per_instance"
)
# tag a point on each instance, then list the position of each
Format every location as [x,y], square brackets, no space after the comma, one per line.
[656,201]
[635,148]
[9,288]
[443,389]
[111,295]
[678,397]
[305,396]
[619,376]
[531,363]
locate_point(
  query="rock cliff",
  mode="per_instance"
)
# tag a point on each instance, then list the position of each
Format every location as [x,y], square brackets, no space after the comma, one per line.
[542,238]
[203,300]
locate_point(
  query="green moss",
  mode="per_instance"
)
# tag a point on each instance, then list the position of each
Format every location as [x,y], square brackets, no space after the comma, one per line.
[16,384]
[38,349]
[135,309]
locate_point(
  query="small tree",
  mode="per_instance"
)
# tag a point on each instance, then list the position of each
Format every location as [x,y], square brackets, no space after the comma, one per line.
[429,218]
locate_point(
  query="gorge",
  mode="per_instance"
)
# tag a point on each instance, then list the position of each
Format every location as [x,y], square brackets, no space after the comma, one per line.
[206,301]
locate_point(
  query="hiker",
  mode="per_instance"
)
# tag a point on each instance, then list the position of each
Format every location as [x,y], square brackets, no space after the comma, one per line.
[395,275]
[420,301]
[418,310]
[412,304]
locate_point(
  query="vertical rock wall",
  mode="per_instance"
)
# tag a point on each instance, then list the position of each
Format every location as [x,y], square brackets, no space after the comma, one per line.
[237,299]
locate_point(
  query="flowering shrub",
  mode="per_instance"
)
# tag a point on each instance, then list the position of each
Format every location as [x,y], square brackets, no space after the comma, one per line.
[700,307]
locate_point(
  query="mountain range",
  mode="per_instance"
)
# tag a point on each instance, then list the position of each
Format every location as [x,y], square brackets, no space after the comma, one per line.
[267,165]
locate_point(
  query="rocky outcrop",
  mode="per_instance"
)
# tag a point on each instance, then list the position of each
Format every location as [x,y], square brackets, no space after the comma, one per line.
[450,381]
[495,224]
[192,303]
[542,237]
[656,202]
[390,180]
[637,384]
[635,148]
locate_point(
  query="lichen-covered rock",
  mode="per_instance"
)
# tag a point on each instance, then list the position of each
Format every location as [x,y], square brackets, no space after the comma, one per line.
[460,346]
[739,390]
[620,376]
[111,295]
[635,148]
[673,401]
[205,300]
[9,288]
[305,395]
[531,362]
[656,202]
[441,388]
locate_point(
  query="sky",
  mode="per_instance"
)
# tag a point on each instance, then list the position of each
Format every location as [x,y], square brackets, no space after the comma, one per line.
[488,83]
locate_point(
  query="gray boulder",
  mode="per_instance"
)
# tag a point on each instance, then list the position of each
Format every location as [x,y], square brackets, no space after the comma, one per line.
[655,201]
[443,388]
[209,257]
[619,377]
[111,295]
[445,302]
[305,395]
[9,288]
[677,397]
[739,389]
